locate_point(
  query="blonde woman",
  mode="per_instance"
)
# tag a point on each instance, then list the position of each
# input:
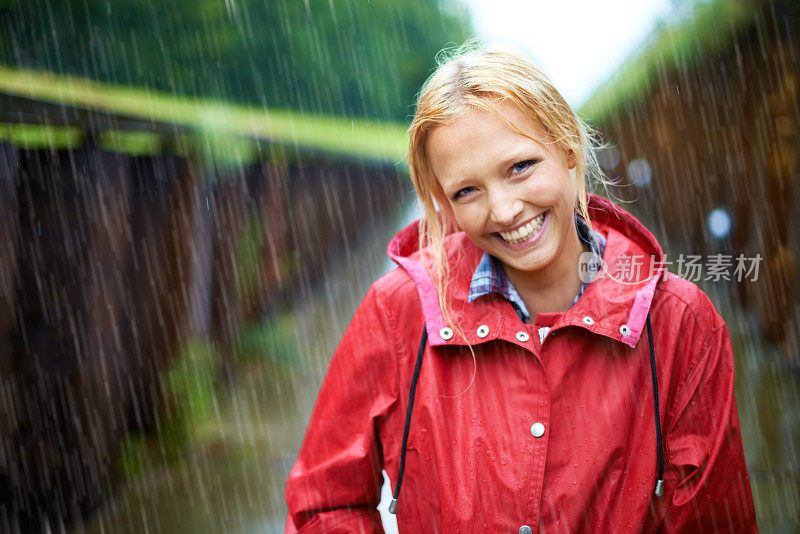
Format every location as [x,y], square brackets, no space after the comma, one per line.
[529,366]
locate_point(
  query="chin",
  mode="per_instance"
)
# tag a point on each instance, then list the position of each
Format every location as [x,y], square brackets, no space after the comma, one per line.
[531,265]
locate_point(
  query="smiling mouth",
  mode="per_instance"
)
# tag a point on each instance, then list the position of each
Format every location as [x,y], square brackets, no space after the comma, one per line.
[525,232]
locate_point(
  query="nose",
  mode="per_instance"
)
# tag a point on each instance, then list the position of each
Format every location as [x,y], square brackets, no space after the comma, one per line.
[504,206]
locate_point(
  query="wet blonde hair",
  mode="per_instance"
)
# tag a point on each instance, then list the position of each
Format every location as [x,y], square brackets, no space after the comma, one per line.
[474,76]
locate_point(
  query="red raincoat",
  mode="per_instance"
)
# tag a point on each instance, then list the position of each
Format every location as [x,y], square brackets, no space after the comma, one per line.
[473,462]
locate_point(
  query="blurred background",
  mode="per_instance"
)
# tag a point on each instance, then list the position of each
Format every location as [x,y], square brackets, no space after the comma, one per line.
[196,194]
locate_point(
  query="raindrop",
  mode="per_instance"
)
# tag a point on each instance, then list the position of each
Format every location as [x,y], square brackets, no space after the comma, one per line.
[719,223]
[608,157]
[639,172]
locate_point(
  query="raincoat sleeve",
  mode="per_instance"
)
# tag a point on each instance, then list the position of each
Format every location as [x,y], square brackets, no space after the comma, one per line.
[704,447]
[334,486]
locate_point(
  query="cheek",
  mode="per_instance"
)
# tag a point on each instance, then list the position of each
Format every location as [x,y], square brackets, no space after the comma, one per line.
[545,193]
[466,218]
[559,190]
[458,219]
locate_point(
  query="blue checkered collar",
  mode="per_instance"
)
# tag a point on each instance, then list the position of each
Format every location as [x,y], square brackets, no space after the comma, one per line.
[489,276]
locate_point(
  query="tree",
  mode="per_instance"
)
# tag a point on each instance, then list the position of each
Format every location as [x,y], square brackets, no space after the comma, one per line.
[345,57]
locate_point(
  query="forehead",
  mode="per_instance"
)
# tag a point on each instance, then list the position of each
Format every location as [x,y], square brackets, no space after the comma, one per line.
[480,136]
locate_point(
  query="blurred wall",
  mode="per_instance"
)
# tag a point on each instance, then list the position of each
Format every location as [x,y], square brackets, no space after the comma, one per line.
[720,131]
[110,264]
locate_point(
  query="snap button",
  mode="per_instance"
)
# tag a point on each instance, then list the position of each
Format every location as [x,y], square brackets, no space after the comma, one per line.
[588,321]
[483,331]
[446,333]
[525,529]
[522,337]
[624,330]
[537,429]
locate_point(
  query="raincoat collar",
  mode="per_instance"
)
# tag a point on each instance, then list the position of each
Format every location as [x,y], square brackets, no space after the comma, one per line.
[614,305]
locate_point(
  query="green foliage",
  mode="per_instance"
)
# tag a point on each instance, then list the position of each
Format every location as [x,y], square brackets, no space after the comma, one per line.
[191,397]
[223,149]
[273,340]
[134,143]
[341,57]
[33,136]
[133,456]
[698,34]
[190,383]
[249,249]
[218,128]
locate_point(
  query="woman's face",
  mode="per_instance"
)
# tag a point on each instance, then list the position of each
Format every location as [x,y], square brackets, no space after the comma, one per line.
[513,197]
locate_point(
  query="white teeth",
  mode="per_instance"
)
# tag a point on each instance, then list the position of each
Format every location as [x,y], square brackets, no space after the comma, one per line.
[522,234]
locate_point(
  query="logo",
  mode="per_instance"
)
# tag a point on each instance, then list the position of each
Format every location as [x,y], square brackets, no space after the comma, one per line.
[589,264]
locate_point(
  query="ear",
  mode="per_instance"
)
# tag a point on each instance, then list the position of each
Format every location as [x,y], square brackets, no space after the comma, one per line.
[572,161]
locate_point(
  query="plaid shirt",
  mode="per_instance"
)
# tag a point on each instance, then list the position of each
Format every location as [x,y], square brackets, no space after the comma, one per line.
[490,277]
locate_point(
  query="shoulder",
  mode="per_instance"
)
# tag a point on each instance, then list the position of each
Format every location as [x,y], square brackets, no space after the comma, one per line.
[396,295]
[676,297]
[394,287]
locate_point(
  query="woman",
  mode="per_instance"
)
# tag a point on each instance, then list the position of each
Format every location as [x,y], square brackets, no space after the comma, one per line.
[501,381]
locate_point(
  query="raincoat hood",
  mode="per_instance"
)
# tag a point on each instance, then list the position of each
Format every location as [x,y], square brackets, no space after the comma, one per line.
[633,265]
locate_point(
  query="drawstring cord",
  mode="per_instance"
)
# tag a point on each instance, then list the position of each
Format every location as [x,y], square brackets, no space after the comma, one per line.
[659,489]
[420,352]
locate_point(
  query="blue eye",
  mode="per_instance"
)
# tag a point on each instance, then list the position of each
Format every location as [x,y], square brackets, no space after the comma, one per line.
[523,165]
[463,192]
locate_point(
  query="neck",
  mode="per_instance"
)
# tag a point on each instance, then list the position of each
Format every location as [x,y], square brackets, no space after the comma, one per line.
[552,289]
